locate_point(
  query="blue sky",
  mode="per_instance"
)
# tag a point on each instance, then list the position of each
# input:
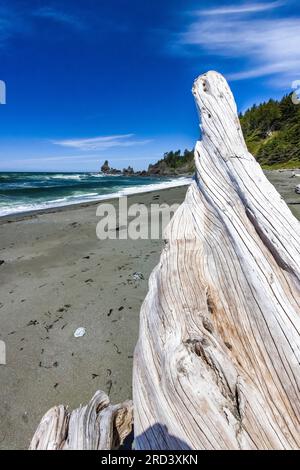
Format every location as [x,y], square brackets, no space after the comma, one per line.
[92,79]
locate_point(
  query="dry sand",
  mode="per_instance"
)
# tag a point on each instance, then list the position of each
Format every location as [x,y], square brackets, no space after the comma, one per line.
[58,276]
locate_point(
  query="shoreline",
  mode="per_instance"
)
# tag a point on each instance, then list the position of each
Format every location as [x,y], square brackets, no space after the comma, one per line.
[174,183]
[163,186]
[19,216]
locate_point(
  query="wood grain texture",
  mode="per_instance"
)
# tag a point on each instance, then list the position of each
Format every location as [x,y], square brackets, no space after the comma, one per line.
[217,361]
[96,426]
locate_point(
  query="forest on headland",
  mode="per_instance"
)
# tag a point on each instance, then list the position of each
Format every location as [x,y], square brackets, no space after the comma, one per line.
[272,135]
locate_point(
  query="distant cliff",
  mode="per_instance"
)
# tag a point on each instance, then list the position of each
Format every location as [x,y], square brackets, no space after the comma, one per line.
[174,163]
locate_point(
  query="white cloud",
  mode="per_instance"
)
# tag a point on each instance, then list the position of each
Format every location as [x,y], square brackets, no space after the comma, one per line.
[265,47]
[244,8]
[102,142]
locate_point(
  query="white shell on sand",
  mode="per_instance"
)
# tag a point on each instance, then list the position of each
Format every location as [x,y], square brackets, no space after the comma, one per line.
[79,332]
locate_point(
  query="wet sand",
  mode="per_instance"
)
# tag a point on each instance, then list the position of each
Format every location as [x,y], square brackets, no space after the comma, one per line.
[58,276]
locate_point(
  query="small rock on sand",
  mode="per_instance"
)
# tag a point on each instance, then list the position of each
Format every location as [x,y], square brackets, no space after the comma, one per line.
[138,276]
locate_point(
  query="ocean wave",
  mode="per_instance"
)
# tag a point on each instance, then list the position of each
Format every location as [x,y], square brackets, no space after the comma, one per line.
[90,197]
[68,177]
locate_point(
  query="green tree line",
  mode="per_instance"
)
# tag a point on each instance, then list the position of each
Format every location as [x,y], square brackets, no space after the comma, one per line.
[272,134]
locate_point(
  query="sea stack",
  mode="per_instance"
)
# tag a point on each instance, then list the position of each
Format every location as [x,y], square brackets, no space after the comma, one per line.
[105,167]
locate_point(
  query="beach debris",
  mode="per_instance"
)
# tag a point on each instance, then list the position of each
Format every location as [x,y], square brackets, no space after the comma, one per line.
[43,366]
[117,349]
[109,385]
[48,327]
[138,276]
[32,323]
[55,364]
[2,262]
[79,332]
[297,190]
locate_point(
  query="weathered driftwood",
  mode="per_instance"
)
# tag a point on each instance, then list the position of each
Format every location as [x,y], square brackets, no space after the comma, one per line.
[96,426]
[217,361]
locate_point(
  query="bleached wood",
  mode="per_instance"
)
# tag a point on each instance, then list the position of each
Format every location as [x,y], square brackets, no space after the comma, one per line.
[96,426]
[217,361]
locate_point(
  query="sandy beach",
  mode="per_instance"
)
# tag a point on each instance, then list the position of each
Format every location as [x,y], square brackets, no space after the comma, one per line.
[57,276]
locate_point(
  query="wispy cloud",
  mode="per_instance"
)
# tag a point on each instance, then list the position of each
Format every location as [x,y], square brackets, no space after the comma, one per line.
[263,46]
[101,142]
[244,8]
[10,25]
[84,158]
[58,16]
[5,29]
[19,22]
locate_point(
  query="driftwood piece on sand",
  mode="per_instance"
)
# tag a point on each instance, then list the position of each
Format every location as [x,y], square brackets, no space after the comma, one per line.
[96,426]
[217,361]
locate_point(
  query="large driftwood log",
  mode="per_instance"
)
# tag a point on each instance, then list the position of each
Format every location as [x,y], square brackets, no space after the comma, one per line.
[96,426]
[217,361]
